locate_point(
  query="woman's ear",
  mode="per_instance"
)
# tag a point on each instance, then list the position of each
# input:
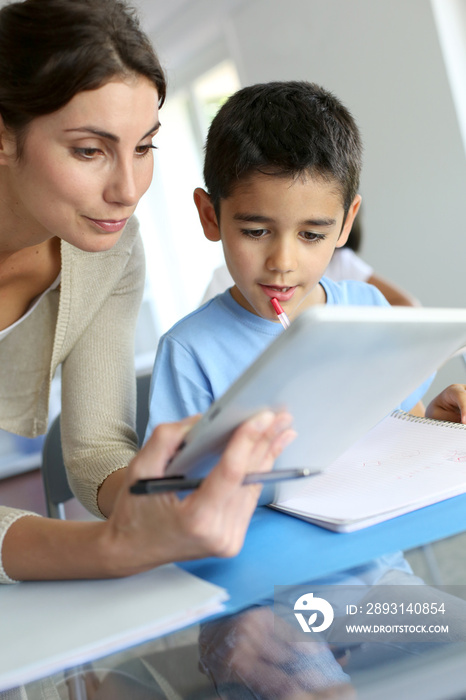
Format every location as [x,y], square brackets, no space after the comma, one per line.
[207,214]
[350,217]
[7,144]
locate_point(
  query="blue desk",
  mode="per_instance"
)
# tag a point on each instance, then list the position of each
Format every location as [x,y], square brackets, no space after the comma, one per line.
[282,550]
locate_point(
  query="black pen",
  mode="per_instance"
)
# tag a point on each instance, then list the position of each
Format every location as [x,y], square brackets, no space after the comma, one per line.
[179,483]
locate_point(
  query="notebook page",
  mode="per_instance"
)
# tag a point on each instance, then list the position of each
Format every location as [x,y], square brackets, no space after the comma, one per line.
[401,462]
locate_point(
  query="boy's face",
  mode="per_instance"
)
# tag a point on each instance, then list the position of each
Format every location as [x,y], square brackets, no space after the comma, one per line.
[278,236]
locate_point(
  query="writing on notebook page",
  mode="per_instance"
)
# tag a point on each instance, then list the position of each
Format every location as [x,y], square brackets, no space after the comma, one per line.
[403,463]
[457,457]
[386,458]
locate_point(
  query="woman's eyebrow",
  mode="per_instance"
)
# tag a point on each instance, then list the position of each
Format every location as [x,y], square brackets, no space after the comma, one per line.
[107,135]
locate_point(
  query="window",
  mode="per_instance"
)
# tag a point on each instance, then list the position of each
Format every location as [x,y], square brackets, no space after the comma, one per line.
[450,17]
[180,260]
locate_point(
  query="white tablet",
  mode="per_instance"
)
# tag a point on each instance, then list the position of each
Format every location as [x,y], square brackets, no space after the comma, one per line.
[338,370]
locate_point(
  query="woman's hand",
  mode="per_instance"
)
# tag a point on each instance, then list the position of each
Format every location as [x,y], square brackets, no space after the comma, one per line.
[449,405]
[146,531]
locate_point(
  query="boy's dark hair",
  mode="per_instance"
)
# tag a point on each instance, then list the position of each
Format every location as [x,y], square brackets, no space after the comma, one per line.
[52,49]
[284,129]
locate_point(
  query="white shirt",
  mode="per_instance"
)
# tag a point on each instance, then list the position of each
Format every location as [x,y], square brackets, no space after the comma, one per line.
[31,308]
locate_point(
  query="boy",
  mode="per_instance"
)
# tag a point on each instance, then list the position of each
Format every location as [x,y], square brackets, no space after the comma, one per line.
[282,167]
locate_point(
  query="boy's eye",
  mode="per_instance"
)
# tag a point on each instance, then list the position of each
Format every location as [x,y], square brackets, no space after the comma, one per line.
[310,236]
[254,232]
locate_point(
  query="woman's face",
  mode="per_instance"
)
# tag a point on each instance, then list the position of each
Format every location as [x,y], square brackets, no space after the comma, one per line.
[85,167]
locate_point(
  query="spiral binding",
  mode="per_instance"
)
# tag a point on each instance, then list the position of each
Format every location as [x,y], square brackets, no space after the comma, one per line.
[402,415]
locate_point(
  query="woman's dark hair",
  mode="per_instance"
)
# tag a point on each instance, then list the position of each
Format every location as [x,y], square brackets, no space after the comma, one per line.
[52,49]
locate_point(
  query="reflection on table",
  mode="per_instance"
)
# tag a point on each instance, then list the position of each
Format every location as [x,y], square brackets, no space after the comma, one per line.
[256,649]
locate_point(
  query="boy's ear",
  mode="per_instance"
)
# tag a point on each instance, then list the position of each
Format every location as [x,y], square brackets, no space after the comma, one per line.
[350,217]
[207,214]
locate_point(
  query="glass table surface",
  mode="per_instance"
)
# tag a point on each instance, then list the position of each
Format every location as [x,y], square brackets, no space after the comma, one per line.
[260,650]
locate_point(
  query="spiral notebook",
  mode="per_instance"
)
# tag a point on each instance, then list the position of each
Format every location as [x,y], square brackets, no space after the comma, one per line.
[338,370]
[402,464]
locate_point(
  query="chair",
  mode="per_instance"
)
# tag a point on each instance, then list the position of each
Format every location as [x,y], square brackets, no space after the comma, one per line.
[57,490]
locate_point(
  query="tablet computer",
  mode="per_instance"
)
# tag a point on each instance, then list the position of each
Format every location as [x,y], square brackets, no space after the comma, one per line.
[338,370]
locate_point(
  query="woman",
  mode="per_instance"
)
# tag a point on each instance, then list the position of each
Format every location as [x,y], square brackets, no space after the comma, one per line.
[80,89]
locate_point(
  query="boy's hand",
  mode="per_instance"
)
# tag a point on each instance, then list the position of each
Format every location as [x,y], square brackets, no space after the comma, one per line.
[449,405]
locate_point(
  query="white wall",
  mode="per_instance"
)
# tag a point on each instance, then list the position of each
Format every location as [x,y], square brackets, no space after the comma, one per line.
[383,59]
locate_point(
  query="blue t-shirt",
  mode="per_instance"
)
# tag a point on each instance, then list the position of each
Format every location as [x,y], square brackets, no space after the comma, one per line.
[204,353]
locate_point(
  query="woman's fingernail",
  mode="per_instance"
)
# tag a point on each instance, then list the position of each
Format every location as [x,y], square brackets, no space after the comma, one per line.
[263,420]
[282,422]
[287,437]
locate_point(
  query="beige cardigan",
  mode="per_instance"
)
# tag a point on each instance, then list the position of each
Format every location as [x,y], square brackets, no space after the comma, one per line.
[86,325]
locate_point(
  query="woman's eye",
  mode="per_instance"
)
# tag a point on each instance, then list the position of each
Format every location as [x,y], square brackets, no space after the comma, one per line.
[87,153]
[145,149]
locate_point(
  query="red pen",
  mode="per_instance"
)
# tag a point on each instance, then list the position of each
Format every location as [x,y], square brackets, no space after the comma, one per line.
[283,318]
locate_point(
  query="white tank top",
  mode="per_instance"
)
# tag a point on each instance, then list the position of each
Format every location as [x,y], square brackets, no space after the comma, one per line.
[31,308]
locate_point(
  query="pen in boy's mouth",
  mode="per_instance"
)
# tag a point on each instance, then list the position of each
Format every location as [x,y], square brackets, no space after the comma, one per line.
[280,293]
